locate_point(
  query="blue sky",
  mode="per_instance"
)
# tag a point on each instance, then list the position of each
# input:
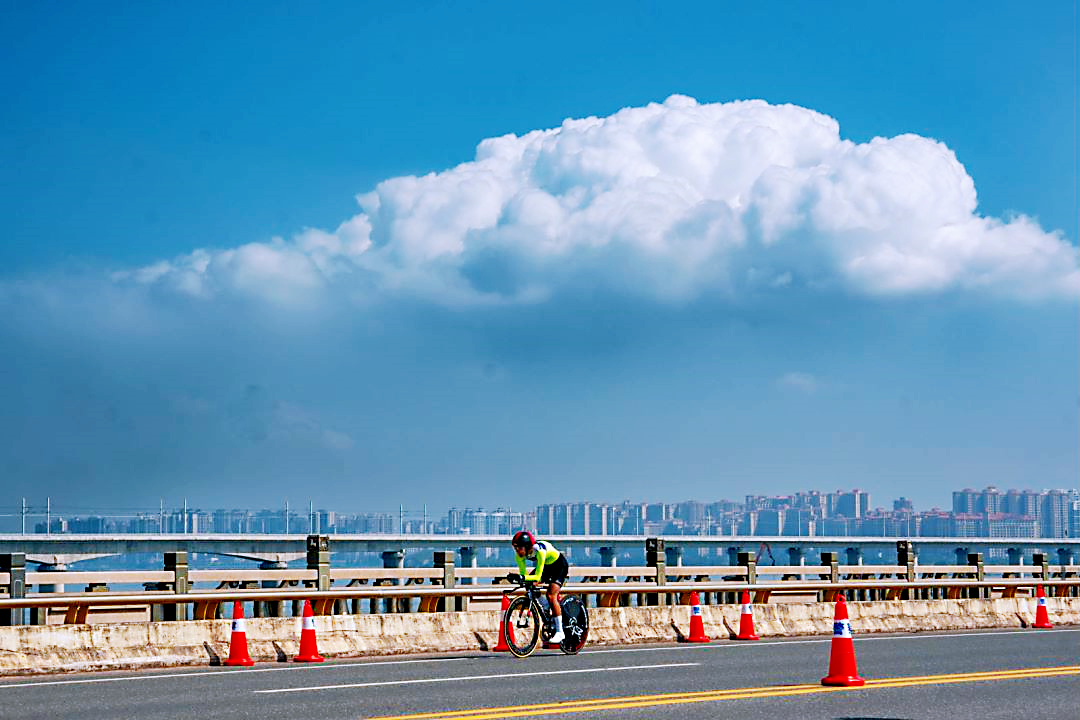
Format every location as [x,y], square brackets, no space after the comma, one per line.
[218,280]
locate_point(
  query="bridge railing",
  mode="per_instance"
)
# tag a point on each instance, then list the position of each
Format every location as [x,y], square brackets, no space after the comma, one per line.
[604,573]
[446,587]
[327,602]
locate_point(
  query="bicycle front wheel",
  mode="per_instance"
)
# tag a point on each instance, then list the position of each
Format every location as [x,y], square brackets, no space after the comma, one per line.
[521,627]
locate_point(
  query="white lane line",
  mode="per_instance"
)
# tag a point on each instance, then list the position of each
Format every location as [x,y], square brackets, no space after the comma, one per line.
[473,677]
[731,645]
[717,646]
[245,671]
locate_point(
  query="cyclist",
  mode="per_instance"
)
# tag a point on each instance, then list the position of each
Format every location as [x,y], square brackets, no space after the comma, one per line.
[551,568]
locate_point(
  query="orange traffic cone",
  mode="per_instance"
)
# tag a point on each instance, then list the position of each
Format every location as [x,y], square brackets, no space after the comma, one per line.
[309,650]
[501,646]
[1042,619]
[746,620]
[697,625]
[842,669]
[238,649]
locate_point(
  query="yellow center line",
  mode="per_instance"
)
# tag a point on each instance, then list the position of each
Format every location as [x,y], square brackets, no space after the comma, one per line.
[641,701]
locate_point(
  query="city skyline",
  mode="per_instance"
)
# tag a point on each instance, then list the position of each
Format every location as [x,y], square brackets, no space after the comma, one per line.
[989,512]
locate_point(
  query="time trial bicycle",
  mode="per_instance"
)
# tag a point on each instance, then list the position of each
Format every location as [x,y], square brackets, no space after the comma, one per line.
[528,620]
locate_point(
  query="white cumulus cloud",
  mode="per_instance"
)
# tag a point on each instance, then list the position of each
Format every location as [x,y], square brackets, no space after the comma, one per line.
[669,201]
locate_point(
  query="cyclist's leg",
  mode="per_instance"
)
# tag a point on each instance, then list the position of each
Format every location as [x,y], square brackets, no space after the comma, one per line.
[553,598]
[556,611]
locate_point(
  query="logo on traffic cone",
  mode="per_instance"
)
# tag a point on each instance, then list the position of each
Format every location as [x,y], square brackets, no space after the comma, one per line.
[842,669]
[1042,619]
[697,625]
[504,629]
[238,649]
[746,620]
[309,650]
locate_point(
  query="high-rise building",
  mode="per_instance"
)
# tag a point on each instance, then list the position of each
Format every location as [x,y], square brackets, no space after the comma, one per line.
[854,504]
[965,501]
[990,501]
[1054,514]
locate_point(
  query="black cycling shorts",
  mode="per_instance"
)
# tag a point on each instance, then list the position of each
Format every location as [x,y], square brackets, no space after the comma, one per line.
[557,571]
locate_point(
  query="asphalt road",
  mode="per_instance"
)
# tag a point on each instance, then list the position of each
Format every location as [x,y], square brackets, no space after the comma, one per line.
[1029,674]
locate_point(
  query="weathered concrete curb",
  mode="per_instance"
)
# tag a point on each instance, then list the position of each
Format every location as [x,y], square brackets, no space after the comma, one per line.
[59,648]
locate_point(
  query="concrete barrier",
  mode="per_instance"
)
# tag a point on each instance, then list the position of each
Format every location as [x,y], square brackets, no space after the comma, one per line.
[66,648]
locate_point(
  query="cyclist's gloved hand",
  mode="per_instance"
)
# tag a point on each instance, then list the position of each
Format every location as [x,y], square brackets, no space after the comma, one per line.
[513,577]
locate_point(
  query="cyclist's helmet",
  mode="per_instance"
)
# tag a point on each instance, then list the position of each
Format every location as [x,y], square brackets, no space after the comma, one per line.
[523,539]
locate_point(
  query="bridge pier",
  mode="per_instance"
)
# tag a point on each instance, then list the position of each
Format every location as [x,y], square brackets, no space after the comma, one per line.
[1016,557]
[395,559]
[608,557]
[795,557]
[270,608]
[854,556]
[1066,557]
[40,616]
[673,556]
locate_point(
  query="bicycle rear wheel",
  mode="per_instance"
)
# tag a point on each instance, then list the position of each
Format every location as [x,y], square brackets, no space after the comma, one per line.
[521,627]
[575,625]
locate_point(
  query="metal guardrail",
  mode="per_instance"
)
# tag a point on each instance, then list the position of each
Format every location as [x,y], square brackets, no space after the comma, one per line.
[113,577]
[393,591]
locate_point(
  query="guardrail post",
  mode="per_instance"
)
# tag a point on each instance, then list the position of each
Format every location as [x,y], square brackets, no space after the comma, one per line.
[1042,561]
[976,561]
[656,557]
[14,564]
[831,560]
[749,561]
[177,564]
[468,560]
[318,559]
[905,555]
[445,560]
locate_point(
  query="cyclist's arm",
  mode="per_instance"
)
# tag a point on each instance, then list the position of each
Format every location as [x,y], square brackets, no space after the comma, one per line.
[521,566]
[541,557]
